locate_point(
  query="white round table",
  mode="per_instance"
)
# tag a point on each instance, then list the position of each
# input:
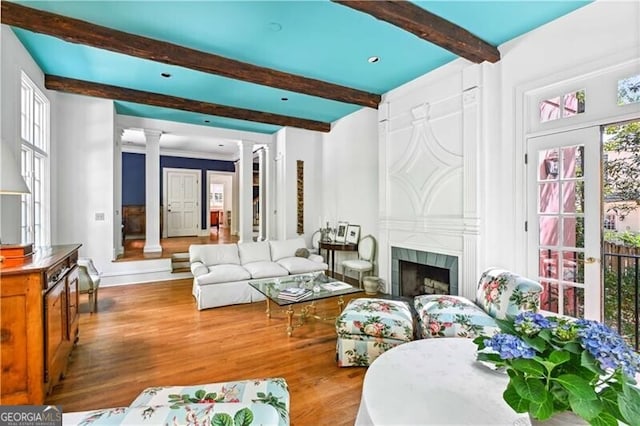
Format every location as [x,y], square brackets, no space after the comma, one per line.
[435,382]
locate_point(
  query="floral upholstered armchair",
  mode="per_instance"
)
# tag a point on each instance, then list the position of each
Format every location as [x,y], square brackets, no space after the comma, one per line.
[499,294]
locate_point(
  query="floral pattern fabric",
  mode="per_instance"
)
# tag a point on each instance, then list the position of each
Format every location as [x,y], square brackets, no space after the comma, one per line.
[452,316]
[250,402]
[500,293]
[368,327]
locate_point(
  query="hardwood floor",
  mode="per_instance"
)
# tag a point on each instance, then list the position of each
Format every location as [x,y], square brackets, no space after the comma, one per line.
[153,335]
[134,248]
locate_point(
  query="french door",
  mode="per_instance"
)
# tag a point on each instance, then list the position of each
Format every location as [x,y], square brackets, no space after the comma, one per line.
[564,220]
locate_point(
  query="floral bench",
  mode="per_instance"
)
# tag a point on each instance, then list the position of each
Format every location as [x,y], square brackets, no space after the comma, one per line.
[500,293]
[262,402]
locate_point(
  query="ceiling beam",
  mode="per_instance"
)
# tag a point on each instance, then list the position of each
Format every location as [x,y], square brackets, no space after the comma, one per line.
[414,19]
[82,32]
[87,88]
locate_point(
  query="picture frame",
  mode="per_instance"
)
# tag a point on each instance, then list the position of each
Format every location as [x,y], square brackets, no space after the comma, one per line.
[353,234]
[341,232]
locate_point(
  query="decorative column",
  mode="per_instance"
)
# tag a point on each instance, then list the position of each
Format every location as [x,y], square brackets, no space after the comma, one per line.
[152,191]
[118,220]
[262,194]
[245,192]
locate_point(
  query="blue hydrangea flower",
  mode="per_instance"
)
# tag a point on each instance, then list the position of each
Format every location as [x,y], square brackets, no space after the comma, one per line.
[509,346]
[530,323]
[607,347]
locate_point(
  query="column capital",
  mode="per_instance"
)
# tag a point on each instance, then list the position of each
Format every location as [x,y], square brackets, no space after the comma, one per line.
[152,134]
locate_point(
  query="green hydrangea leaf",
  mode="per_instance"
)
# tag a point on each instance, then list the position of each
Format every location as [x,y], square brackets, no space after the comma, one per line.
[542,409]
[589,362]
[221,419]
[536,343]
[629,403]
[491,357]
[559,357]
[604,419]
[573,347]
[515,401]
[576,386]
[530,388]
[529,367]
[609,398]
[243,417]
[585,408]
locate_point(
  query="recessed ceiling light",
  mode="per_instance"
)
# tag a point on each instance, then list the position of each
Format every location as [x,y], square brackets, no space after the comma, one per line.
[373,59]
[275,27]
[165,75]
[220,144]
[207,121]
[284,99]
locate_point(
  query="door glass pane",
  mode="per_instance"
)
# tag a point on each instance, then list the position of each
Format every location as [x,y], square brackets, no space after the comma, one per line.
[549,298]
[548,263]
[573,301]
[549,197]
[573,232]
[548,164]
[574,103]
[572,162]
[549,230]
[573,266]
[550,109]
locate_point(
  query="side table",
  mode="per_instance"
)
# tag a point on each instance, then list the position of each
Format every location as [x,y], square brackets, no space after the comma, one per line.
[331,248]
[434,382]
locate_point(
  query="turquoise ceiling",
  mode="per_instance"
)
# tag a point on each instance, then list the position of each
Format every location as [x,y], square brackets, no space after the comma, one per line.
[317,39]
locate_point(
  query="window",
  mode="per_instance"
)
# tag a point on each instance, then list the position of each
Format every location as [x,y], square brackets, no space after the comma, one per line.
[34,132]
[568,105]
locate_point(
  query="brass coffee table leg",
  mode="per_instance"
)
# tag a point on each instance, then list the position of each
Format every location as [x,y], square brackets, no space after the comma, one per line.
[289,320]
[268,308]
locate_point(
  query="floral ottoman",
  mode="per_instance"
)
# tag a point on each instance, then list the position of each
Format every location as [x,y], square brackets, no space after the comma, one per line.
[368,327]
[249,402]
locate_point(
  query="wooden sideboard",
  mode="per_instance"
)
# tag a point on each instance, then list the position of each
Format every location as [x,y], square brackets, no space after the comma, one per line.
[38,323]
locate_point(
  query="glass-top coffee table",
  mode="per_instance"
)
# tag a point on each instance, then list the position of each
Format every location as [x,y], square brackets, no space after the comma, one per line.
[312,287]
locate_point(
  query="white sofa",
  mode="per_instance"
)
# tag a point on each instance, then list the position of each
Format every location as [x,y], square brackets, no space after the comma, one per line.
[221,272]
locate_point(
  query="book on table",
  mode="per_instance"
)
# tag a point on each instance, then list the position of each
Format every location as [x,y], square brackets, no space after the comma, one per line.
[294,293]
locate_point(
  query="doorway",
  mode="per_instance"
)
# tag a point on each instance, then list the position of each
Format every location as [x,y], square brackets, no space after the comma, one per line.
[220,202]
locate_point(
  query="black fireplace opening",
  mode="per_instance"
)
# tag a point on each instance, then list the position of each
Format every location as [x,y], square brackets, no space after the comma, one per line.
[417,279]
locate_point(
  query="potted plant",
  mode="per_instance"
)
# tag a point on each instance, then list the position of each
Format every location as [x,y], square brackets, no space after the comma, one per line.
[557,365]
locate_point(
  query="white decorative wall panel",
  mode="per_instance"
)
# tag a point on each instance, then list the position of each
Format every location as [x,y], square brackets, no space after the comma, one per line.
[430,138]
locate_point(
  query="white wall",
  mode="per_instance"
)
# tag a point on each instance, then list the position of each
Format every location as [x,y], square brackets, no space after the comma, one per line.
[292,145]
[14,60]
[350,175]
[83,176]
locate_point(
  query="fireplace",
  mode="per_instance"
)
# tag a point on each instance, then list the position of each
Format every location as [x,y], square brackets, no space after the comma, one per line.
[416,272]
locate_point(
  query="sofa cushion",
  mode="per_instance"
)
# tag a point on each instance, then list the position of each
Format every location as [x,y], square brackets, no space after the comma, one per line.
[452,316]
[300,265]
[285,248]
[214,254]
[502,293]
[265,269]
[199,268]
[254,252]
[224,274]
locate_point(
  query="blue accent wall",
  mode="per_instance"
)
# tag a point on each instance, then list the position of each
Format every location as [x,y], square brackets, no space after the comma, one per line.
[133,177]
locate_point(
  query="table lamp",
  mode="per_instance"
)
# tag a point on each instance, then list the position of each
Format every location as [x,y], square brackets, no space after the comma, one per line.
[11,183]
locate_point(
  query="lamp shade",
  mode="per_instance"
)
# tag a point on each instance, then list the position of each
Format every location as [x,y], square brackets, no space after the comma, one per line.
[11,181]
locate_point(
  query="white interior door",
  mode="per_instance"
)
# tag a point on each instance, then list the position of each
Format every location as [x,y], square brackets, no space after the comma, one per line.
[183,202]
[564,220]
